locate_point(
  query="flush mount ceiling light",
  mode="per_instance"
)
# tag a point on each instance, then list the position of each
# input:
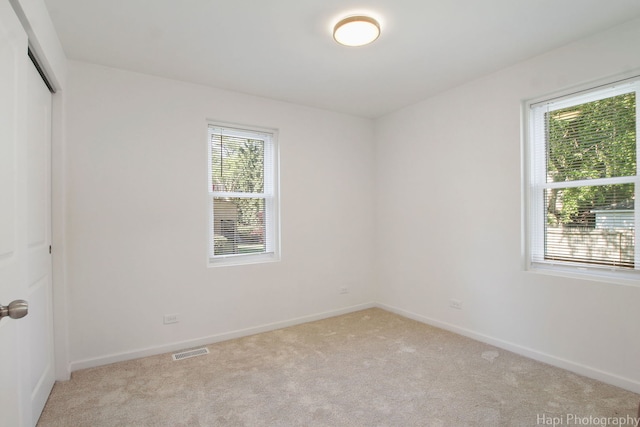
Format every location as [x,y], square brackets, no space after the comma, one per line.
[356,30]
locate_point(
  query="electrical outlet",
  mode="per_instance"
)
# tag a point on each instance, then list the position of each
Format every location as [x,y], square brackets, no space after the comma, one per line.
[170,318]
[455,303]
[344,290]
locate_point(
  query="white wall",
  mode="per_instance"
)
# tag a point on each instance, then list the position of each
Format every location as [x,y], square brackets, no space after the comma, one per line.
[444,178]
[137,218]
[449,220]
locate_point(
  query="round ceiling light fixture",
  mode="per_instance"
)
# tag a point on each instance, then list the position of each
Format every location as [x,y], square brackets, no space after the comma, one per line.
[356,30]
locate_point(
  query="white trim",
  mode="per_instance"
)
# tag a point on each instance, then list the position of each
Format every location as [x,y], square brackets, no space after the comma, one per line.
[242,131]
[43,40]
[59,237]
[211,339]
[558,362]
[46,46]
[232,195]
[601,274]
[534,181]
[572,91]
[592,94]
[525,180]
[243,259]
[271,195]
[636,204]
[589,182]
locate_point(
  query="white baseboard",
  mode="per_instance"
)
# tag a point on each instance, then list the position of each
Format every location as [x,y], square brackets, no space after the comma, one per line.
[577,368]
[211,339]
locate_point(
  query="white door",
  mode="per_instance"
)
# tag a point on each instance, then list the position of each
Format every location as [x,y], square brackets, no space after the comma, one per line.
[12,210]
[26,345]
[38,325]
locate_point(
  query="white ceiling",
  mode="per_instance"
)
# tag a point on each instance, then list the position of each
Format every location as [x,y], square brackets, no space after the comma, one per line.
[283,49]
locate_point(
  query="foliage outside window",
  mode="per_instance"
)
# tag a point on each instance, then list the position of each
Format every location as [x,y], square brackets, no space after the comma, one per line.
[583,177]
[243,195]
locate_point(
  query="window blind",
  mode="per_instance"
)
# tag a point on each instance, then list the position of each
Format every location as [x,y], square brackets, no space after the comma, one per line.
[584,176]
[241,190]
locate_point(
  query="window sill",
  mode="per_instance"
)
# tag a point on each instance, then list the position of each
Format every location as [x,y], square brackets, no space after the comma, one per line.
[232,260]
[595,274]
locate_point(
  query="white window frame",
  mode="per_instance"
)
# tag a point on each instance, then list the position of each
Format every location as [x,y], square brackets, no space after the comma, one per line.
[271,195]
[534,216]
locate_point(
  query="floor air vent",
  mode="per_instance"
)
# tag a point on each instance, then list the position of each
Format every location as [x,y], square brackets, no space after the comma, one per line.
[190,353]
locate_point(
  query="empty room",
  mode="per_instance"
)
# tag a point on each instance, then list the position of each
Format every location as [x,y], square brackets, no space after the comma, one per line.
[319,213]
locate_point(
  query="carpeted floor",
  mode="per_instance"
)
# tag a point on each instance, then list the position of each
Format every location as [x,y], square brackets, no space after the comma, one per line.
[369,368]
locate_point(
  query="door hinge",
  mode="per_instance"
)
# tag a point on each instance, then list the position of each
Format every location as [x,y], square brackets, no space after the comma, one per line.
[49,248]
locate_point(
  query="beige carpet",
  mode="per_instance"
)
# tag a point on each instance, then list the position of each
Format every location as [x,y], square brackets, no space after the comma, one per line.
[369,368]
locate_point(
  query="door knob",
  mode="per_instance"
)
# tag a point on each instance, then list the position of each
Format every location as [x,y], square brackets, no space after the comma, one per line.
[16,310]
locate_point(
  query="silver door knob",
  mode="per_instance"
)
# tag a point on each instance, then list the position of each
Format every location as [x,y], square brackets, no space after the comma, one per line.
[16,310]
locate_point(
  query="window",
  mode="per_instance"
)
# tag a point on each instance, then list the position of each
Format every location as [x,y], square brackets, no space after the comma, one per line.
[243,195]
[582,180]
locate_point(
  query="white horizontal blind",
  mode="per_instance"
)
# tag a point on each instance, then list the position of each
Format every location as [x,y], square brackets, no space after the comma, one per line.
[241,190]
[584,178]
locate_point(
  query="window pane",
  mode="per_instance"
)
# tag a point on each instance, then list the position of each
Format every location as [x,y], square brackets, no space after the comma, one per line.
[592,140]
[238,226]
[592,224]
[237,164]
